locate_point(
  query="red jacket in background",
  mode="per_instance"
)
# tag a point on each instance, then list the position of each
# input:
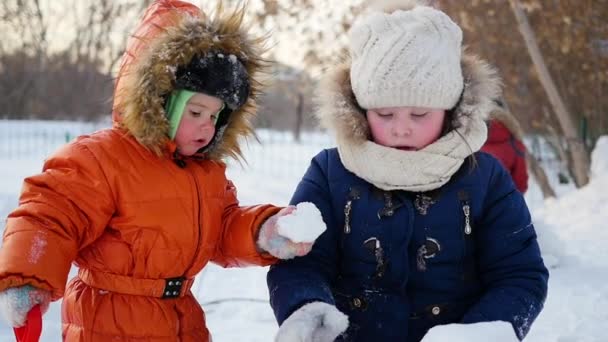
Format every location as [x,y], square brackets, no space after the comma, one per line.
[511,152]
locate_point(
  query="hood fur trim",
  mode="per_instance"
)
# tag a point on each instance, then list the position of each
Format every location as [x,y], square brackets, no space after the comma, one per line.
[152,77]
[339,113]
[509,121]
[389,6]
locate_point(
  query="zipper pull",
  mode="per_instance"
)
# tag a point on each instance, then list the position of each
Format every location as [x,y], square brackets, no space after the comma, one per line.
[467,219]
[353,194]
[347,209]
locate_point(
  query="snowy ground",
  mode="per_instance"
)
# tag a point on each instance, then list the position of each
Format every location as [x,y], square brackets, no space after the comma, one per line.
[572,232]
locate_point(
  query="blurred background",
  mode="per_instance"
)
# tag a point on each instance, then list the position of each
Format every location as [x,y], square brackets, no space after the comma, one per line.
[58,59]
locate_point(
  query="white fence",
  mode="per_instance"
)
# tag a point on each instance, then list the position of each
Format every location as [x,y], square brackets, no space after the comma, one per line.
[276,153]
[37,139]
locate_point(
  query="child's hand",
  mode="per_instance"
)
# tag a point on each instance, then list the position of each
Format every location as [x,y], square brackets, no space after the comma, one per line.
[316,321]
[16,302]
[291,232]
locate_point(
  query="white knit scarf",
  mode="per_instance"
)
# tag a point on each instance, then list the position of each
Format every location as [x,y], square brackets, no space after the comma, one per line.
[427,169]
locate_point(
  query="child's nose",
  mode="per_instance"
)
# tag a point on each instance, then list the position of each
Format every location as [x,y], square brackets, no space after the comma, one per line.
[207,122]
[207,126]
[402,127]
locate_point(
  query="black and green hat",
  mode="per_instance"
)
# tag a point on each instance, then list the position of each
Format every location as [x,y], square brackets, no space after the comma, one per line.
[216,74]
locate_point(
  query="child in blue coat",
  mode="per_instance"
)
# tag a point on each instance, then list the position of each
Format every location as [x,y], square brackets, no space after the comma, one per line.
[423,229]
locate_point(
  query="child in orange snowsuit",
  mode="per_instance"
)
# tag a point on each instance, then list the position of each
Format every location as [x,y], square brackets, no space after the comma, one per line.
[142,207]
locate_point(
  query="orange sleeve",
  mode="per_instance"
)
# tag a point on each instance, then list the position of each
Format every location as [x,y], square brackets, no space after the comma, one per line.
[240,226]
[60,210]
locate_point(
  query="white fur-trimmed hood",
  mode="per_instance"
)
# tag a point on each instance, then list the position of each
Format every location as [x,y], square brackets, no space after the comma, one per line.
[339,113]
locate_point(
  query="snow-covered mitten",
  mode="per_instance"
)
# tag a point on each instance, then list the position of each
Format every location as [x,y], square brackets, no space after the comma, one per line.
[313,322]
[16,302]
[292,231]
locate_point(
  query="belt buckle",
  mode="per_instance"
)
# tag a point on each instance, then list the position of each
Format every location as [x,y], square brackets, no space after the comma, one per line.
[173,287]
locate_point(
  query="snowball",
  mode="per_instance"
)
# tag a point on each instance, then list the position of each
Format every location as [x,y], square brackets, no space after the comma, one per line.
[304,224]
[497,331]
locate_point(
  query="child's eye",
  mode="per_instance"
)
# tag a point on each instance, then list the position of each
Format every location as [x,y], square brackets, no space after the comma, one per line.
[385,115]
[419,115]
[195,114]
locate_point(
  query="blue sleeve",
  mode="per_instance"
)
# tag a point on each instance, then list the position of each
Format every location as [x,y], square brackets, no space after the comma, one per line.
[510,264]
[293,283]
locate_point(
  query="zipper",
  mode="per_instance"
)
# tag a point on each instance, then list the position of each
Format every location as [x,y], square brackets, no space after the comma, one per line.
[353,194]
[467,218]
[463,196]
[199,231]
[347,209]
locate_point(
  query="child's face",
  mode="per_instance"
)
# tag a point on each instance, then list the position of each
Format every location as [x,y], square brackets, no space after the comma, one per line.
[405,128]
[197,126]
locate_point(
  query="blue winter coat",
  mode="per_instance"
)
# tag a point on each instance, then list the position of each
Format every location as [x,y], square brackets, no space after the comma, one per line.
[397,271]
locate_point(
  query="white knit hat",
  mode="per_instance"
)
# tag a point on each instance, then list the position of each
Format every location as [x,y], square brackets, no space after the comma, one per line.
[406,58]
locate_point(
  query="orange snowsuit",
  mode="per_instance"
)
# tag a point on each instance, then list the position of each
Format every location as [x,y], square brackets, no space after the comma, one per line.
[137,224]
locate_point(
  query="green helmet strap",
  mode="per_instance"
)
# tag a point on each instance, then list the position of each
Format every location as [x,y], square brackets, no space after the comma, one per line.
[175,108]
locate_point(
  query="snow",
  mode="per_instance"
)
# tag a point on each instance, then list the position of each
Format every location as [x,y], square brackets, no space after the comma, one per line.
[37,248]
[600,161]
[305,224]
[479,332]
[571,230]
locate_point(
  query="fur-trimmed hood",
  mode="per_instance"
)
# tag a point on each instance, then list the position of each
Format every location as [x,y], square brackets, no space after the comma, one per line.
[391,169]
[507,119]
[339,112]
[148,75]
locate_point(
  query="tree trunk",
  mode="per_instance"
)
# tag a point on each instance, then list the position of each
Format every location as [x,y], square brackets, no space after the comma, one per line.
[578,154]
[541,177]
[297,129]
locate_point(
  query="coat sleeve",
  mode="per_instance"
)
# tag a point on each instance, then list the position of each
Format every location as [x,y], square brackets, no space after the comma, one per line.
[519,171]
[60,211]
[240,227]
[509,260]
[293,283]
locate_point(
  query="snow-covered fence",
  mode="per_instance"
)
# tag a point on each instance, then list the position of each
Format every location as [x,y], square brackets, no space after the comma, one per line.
[276,153]
[21,139]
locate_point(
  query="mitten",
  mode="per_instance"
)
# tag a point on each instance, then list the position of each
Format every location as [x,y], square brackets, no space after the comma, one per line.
[16,302]
[313,322]
[292,231]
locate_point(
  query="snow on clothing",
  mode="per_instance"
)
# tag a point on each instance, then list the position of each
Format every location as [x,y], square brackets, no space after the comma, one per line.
[399,261]
[131,215]
[505,143]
